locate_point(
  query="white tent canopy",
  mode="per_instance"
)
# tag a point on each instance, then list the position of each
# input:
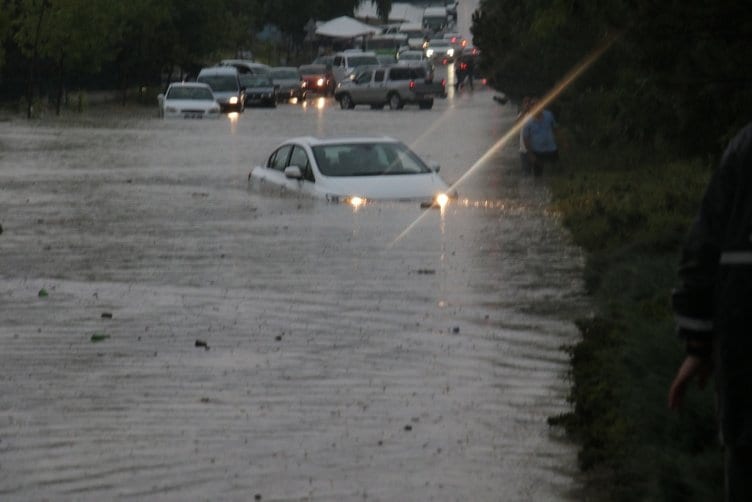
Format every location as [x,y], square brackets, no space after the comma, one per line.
[345,27]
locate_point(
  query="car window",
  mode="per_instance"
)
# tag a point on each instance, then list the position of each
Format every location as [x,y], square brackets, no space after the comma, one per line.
[299,158]
[337,61]
[378,76]
[180,92]
[367,159]
[399,74]
[364,77]
[354,61]
[220,83]
[278,160]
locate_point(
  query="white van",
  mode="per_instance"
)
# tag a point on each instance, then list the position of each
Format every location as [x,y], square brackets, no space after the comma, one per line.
[416,35]
[345,62]
[225,85]
[435,19]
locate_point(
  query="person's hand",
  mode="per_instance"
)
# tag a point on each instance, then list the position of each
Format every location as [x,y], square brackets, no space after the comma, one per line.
[692,367]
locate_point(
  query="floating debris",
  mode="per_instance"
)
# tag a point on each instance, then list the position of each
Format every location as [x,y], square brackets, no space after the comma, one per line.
[202,343]
[99,337]
[426,271]
[106,315]
[43,293]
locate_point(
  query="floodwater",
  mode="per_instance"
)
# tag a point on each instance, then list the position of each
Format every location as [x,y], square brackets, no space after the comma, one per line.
[342,362]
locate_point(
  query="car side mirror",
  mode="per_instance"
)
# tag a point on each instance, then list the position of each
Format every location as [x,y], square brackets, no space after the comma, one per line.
[434,166]
[293,172]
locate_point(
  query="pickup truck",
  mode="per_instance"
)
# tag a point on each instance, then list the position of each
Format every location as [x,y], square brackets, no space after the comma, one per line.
[392,85]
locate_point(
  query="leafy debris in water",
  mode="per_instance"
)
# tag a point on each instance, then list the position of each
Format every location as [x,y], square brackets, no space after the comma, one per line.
[99,337]
[43,293]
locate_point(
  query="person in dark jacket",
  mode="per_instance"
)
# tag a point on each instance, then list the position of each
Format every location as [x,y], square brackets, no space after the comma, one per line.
[713,308]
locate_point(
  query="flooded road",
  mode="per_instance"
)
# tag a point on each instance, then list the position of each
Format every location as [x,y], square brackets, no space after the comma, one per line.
[343,363]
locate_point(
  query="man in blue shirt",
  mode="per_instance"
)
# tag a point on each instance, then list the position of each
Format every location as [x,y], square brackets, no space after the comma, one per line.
[539,137]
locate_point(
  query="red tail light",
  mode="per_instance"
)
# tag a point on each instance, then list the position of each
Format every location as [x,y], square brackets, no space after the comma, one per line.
[412,84]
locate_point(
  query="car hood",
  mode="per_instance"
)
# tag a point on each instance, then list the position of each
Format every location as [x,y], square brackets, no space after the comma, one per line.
[405,186]
[191,104]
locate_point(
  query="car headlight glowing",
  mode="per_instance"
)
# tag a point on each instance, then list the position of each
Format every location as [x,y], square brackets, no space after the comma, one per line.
[450,52]
[234,100]
[429,53]
[320,82]
[355,201]
[442,200]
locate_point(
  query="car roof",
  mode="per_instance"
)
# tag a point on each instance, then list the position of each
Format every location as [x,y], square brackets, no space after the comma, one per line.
[218,70]
[189,84]
[314,141]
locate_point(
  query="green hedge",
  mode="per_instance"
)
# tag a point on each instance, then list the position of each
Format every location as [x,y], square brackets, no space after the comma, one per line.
[631,222]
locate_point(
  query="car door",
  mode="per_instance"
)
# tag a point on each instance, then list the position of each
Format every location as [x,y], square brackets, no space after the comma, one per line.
[376,91]
[299,157]
[272,177]
[362,92]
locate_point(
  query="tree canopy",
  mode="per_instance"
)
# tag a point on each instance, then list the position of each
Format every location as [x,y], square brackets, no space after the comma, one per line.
[677,77]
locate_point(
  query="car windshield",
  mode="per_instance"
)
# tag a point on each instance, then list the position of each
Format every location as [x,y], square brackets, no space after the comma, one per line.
[354,61]
[412,56]
[440,42]
[414,33]
[220,83]
[189,92]
[367,159]
[313,70]
[285,74]
[256,81]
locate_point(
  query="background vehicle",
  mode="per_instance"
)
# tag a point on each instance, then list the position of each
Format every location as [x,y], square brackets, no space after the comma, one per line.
[435,19]
[416,35]
[387,44]
[247,66]
[188,100]
[345,63]
[413,58]
[349,170]
[395,85]
[225,84]
[317,79]
[440,50]
[288,81]
[260,90]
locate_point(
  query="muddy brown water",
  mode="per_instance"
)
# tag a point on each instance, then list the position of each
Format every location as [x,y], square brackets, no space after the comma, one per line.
[342,364]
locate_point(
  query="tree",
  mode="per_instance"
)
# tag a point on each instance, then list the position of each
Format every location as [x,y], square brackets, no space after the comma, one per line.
[383,8]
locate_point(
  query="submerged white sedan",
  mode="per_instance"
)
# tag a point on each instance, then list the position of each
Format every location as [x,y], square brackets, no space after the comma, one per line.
[188,100]
[351,170]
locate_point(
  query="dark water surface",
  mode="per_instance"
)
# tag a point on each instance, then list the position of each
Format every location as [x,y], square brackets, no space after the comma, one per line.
[342,364]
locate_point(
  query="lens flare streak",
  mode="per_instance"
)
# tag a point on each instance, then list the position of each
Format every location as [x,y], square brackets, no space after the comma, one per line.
[565,82]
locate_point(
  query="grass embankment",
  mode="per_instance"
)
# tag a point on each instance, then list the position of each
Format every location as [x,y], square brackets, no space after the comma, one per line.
[631,222]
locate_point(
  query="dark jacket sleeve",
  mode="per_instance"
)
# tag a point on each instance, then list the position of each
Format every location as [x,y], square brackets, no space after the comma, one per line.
[694,299]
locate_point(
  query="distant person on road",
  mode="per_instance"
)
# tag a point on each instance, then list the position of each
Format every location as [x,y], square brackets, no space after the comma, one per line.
[713,308]
[539,138]
[464,68]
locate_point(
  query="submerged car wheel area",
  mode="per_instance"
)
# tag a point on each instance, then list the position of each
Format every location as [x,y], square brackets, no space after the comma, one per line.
[351,170]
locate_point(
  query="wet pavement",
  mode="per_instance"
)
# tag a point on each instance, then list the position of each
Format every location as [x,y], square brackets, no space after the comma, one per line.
[345,358]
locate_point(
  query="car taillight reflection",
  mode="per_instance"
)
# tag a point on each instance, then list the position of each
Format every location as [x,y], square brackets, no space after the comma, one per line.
[412,84]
